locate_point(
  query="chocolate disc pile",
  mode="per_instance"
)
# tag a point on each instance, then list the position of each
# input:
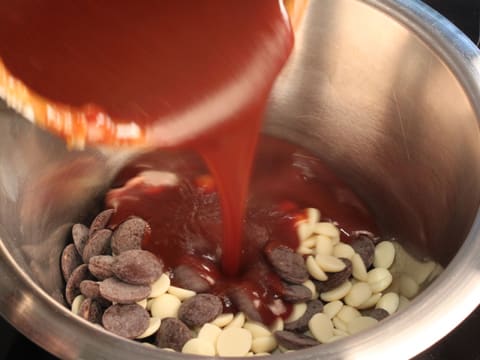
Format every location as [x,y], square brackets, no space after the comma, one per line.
[336,289]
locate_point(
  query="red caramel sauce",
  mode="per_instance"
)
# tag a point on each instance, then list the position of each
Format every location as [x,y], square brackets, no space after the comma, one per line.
[177,74]
[164,73]
[176,194]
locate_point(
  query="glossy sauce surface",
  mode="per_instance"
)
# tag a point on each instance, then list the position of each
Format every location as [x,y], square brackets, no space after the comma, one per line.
[182,74]
[176,194]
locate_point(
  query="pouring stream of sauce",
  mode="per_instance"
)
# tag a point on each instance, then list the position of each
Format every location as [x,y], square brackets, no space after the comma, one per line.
[163,74]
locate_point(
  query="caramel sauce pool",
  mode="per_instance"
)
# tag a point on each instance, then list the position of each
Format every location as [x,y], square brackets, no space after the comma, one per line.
[181,74]
[175,193]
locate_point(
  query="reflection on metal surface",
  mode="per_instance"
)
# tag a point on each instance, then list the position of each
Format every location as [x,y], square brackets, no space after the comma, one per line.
[386,92]
[368,94]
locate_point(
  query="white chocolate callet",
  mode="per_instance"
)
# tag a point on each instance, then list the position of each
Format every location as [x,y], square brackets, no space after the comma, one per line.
[264,344]
[371,301]
[147,344]
[262,354]
[323,245]
[338,332]
[342,250]
[197,346]
[379,279]
[76,303]
[298,310]
[303,250]
[359,271]
[277,325]
[389,302]
[332,308]
[335,338]
[402,257]
[165,305]
[437,270]
[310,242]
[395,284]
[181,293]
[160,286]
[304,230]
[358,294]
[321,327]
[403,302]
[327,229]
[143,303]
[237,321]
[420,271]
[313,215]
[311,286]
[149,304]
[360,323]
[209,332]
[408,286]
[348,313]
[338,293]
[384,254]
[339,324]
[314,270]
[223,320]
[234,341]
[329,263]
[153,326]
[257,329]
[423,272]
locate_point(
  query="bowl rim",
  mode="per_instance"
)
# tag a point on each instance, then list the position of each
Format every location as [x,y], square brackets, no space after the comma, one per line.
[29,308]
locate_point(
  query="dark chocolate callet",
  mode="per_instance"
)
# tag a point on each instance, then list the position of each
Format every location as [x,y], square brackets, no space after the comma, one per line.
[357,233]
[128,321]
[244,303]
[117,291]
[69,261]
[364,246]
[129,235]
[80,236]
[173,334]
[288,264]
[200,309]
[378,314]
[296,293]
[137,267]
[293,341]
[101,221]
[186,277]
[101,266]
[91,310]
[90,289]
[301,324]
[97,244]
[335,279]
[72,289]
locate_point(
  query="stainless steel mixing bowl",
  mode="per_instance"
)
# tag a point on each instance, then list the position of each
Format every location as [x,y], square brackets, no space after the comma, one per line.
[387,92]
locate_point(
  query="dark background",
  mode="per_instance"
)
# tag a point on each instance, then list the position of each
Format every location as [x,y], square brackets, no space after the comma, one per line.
[463,13]
[461,344]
